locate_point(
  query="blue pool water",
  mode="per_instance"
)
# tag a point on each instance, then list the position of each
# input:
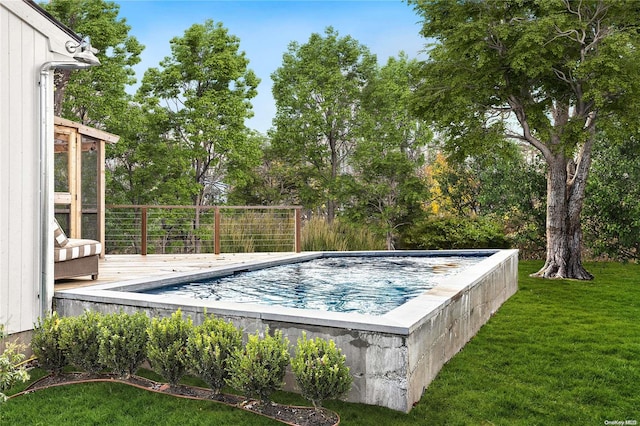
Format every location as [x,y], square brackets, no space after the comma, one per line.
[366,284]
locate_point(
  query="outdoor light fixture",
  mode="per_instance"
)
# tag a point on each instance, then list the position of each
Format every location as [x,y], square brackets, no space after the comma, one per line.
[83,51]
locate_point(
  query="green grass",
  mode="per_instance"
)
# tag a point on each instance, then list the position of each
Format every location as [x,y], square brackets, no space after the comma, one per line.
[557,353]
[118,404]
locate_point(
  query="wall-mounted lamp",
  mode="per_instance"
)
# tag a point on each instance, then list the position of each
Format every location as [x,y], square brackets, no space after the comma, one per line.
[83,51]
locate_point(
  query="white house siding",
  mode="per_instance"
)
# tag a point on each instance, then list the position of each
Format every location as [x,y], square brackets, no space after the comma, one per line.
[27,40]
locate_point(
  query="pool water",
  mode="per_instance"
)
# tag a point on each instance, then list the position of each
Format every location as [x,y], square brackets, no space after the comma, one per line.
[371,285]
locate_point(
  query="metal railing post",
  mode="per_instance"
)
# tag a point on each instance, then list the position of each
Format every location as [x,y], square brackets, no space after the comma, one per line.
[298,226]
[143,234]
[216,231]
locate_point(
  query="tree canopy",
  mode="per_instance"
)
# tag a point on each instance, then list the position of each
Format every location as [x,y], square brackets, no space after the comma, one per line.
[503,78]
[205,88]
[543,72]
[318,91]
[96,96]
[387,187]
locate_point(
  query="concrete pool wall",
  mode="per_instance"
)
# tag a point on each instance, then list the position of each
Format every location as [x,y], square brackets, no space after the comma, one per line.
[392,357]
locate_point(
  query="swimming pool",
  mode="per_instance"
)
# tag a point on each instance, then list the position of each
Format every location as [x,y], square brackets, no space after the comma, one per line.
[393,357]
[371,285]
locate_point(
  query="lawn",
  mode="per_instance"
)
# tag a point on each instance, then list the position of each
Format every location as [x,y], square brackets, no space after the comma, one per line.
[557,352]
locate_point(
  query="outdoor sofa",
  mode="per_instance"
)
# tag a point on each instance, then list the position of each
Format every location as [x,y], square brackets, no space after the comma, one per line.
[74,257]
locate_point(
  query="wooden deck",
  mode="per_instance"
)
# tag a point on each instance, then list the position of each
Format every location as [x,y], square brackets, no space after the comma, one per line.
[115,268]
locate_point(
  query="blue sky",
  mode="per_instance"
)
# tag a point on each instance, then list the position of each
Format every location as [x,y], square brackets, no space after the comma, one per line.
[266,28]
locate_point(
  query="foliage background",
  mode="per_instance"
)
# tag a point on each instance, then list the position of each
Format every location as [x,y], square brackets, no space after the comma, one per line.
[359,155]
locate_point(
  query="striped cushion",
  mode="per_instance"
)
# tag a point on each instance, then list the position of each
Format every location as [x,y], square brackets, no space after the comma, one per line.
[77,248]
[59,236]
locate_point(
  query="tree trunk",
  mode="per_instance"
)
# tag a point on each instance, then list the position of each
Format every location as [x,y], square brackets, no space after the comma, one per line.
[390,245]
[565,195]
[331,202]
[331,211]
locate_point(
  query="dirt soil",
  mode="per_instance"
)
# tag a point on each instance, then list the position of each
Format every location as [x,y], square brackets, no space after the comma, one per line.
[287,414]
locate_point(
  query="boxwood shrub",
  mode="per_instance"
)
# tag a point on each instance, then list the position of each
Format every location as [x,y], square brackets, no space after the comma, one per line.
[123,342]
[209,348]
[166,348]
[320,370]
[258,369]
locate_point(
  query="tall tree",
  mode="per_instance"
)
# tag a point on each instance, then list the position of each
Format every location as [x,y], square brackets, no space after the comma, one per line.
[545,72]
[318,92]
[96,96]
[146,166]
[205,88]
[388,158]
[270,183]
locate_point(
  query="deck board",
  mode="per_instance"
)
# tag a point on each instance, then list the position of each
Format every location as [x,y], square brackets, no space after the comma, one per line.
[124,267]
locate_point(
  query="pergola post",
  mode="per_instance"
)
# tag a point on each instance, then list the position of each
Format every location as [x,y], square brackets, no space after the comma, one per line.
[76,139]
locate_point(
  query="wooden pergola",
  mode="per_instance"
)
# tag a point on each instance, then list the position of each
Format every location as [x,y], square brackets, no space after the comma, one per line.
[80,178]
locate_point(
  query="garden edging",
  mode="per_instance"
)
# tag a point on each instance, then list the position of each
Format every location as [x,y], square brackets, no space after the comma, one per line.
[286,414]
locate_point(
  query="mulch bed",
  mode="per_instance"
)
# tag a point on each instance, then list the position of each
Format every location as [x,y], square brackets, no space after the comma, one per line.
[287,414]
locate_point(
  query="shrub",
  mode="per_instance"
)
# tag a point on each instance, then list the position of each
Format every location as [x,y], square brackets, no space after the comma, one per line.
[209,348]
[123,342]
[611,215]
[11,365]
[453,232]
[166,348]
[320,370]
[258,369]
[80,340]
[45,343]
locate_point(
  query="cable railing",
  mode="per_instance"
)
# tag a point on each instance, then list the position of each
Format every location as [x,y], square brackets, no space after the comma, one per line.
[153,229]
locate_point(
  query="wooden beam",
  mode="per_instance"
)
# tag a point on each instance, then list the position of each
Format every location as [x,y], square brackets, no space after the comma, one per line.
[73,169]
[100,195]
[62,198]
[86,130]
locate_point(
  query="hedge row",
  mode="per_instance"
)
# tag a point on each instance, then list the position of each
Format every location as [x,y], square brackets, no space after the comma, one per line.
[212,351]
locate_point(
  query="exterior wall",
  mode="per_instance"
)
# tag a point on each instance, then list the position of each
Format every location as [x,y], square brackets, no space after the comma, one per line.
[27,40]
